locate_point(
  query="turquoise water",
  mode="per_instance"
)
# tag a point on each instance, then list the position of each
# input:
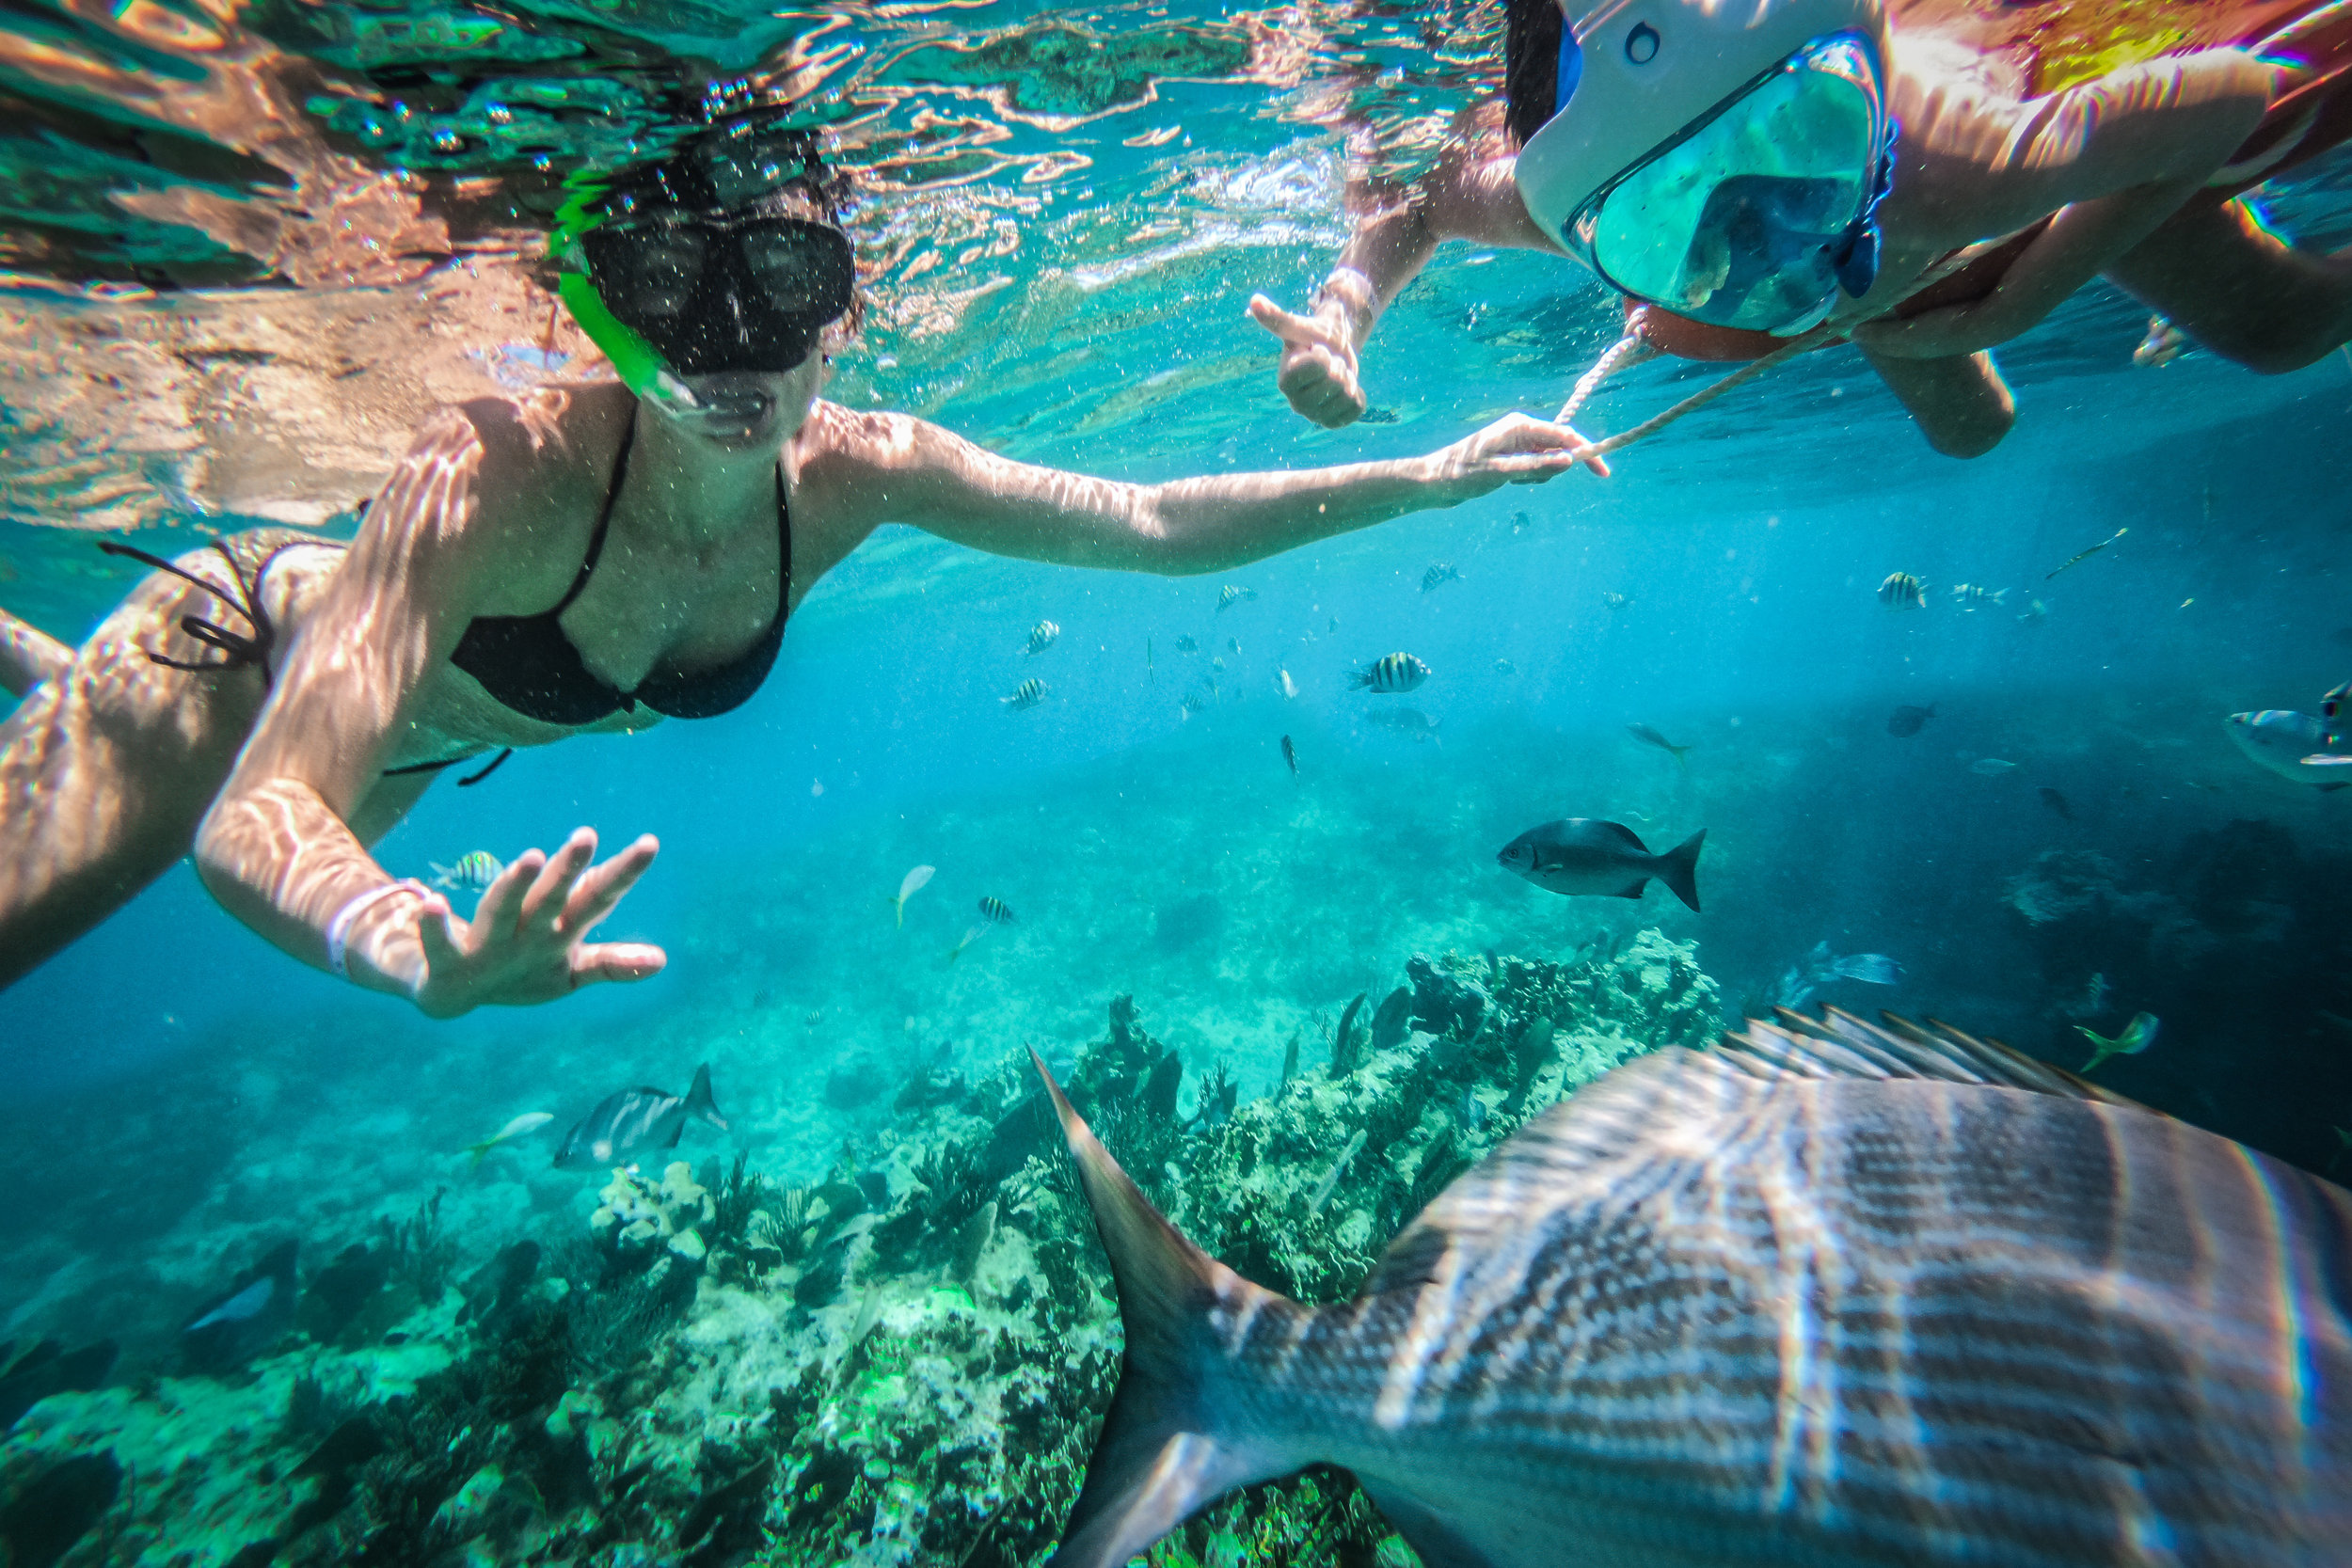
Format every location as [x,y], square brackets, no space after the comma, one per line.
[1060,218]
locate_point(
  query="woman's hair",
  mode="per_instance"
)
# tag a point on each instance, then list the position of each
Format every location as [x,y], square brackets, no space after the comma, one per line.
[1531,67]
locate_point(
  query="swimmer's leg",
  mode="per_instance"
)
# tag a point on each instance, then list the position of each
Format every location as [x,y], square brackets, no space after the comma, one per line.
[105,768]
[2213,272]
[28,656]
[1962,405]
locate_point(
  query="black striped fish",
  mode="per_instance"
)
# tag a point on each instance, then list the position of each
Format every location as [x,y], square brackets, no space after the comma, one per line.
[1042,637]
[1230,596]
[1439,573]
[1395,673]
[1825,1294]
[996,911]
[476,868]
[1902,591]
[1027,695]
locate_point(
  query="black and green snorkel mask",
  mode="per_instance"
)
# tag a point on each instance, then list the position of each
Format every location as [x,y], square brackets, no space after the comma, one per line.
[668,290]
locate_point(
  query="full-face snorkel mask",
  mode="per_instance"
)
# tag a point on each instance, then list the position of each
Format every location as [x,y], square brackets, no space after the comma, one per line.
[667,290]
[1756,212]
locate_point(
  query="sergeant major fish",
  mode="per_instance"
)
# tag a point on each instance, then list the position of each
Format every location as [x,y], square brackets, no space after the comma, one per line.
[636,1121]
[1027,695]
[1607,1343]
[1971,596]
[1290,756]
[1902,591]
[1042,637]
[475,869]
[1390,675]
[1581,856]
[1230,596]
[1440,575]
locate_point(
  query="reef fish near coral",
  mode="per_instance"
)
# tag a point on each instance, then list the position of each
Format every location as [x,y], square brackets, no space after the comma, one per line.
[530,1121]
[247,1317]
[635,1120]
[1649,736]
[1609,1343]
[1800,984]
[1584,857]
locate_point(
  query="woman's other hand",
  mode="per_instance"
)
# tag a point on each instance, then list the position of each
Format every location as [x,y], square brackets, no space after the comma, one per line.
[1517,449]
[1318,369]
[527,941]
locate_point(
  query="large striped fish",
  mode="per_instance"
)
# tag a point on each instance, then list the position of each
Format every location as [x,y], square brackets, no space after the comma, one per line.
[1825,1294]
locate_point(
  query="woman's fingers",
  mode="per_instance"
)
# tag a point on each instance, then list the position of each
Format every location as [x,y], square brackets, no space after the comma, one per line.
[596,962]
[503,897]
[543,906]
[601,888]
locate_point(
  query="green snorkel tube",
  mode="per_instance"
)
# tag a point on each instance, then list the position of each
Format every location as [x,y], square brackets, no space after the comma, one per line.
[634,360]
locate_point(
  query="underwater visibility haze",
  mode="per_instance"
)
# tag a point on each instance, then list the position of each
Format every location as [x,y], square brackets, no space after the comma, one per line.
[1371,912]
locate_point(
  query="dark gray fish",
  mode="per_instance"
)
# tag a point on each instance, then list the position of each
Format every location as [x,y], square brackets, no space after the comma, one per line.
[1290,755]
[1378,416]
[1823,1294]
[1906,721]
[1439,575]
[1408,721]
[2057,802]
[1902,591]
[1392,673]
[247,1317]
[1185,645]
[1584,857]
[1027,695]
[636,1121]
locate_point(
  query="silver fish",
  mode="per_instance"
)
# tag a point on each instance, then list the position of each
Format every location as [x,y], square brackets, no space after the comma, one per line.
[1230,595]
[1902,591]
[1027,695]
[1615,600]
[1583,856]
[1971,596]
[2295,746]
[1825,1293]
[636,1121]
[1439,575]
[1992,767]
[529,1122]
[1391,674]
[1042,637]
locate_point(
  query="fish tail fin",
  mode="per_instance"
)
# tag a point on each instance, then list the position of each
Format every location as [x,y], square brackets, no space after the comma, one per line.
[1679,868]
[1682,755]
[699,1105]
[1163,1451]
[480,1151]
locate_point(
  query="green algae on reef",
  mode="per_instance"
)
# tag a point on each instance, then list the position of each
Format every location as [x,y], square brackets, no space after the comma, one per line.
[903,1364]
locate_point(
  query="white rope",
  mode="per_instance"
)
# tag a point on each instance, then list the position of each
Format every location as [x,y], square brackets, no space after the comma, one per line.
[1632,349]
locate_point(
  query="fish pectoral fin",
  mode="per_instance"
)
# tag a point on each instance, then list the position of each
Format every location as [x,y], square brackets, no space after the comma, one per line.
[1437,1544]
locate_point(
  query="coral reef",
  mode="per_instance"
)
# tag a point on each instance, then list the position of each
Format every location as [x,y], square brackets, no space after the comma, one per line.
[903,1363]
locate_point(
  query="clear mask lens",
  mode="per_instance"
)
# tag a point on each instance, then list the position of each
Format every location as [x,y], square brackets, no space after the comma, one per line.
[1751,220]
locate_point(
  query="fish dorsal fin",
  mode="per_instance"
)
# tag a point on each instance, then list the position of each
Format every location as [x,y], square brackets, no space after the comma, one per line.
[1605,1136]
[1623,835]
[1839,1045]
[1580,1144]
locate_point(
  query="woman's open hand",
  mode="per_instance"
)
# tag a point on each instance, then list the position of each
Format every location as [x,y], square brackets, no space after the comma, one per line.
[527,941]
[1517,449]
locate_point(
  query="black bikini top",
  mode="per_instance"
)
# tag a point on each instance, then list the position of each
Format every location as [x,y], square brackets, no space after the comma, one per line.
[527,664]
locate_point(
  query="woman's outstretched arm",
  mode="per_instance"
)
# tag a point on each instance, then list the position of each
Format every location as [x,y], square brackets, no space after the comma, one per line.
[894,469]
[277,849]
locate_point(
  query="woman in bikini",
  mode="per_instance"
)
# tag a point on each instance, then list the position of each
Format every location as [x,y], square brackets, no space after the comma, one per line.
[584,559]
[1744,173]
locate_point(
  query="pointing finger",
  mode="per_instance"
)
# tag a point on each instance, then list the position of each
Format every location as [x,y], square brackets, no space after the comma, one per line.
[1302,331]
